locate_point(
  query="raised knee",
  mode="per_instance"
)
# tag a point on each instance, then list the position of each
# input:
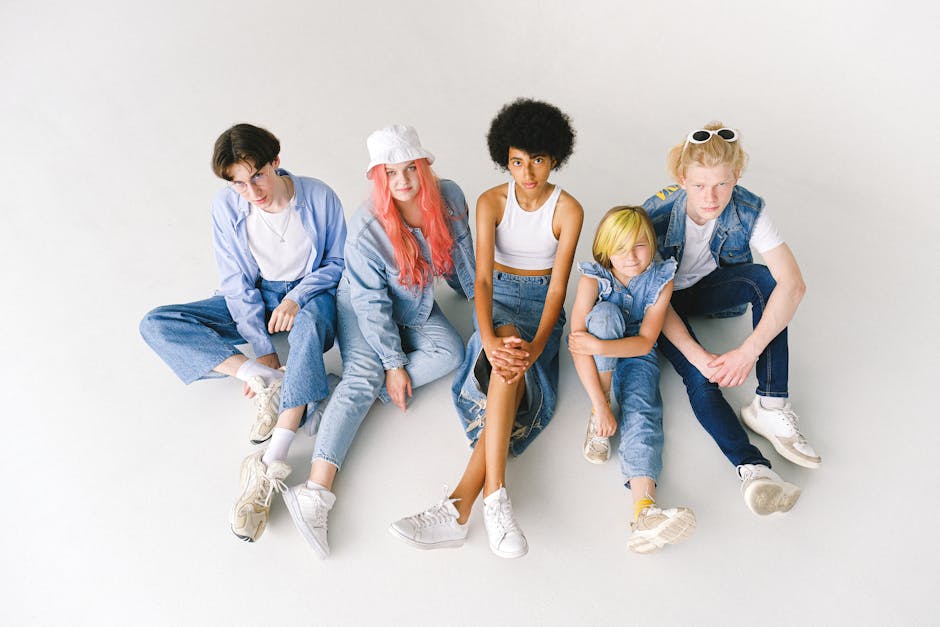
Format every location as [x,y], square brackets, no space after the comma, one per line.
[151,326]
[605,321]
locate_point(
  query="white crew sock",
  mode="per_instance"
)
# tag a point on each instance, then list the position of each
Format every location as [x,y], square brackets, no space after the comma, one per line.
[772,402]
[252,368]
[313,485]
[278,446]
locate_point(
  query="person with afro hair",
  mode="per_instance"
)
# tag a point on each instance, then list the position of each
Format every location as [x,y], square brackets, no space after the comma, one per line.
[505,389]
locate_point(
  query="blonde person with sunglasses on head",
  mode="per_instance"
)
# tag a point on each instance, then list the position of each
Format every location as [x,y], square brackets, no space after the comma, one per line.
[710,225]
[279,248]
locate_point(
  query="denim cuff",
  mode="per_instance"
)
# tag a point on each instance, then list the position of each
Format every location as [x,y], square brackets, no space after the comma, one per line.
[393,361]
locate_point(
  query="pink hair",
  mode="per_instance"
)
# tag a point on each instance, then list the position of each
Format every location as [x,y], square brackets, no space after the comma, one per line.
[415,270]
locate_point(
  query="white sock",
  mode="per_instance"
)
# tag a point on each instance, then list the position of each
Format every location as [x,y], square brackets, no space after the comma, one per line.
[252,368]
[278,446]
[316,486]
[772,402]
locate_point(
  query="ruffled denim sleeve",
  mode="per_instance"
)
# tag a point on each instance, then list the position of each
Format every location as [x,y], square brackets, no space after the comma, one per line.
[598,272]
[663,272]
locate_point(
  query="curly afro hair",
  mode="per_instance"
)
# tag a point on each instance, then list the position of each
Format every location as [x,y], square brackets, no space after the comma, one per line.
[533,126]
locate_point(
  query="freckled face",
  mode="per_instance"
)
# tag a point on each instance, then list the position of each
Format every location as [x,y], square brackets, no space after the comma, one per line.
[708,191]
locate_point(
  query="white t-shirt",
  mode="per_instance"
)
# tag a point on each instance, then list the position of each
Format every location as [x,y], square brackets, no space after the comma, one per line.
[279,243]
[697,261]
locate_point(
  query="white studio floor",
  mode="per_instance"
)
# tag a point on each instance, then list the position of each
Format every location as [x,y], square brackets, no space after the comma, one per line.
[118,479]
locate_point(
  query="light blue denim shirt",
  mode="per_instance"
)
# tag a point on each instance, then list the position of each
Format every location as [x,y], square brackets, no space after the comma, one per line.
[322,216]
[380,300]
[730,243]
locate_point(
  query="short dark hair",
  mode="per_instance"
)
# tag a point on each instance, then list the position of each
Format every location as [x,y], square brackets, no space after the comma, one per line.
[244,143]
[533,126]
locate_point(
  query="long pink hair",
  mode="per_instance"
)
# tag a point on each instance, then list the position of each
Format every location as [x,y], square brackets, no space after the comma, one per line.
[415,270]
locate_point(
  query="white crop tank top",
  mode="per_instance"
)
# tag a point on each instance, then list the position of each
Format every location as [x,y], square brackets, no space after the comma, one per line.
[524,239]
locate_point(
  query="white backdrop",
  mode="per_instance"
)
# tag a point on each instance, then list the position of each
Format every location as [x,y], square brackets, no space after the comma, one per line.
[118,479]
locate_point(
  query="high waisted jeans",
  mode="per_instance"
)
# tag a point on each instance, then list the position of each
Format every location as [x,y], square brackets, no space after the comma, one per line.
[724,289]
[433,350]
[194,338]
[636,388]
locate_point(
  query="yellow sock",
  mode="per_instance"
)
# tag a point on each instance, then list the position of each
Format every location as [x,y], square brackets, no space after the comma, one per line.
[640,505]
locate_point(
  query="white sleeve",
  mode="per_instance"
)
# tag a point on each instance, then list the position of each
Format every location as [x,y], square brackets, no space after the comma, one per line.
[764,236]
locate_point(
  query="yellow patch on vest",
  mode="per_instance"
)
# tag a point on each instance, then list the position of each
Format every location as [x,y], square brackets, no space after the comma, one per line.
[667,191]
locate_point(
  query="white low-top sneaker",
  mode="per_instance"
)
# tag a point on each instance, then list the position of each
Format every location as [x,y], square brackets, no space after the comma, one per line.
[506,538]
[596,448]
[312,424]
[764,491]
[267,405]
[309,508]
[654,528]
[782,428]
[258,483]
[434,528]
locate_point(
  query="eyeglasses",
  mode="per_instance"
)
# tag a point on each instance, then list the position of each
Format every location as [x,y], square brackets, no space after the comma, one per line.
[256,180]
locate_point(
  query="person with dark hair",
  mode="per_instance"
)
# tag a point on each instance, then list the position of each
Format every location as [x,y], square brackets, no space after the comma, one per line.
[279,247]
[505,389]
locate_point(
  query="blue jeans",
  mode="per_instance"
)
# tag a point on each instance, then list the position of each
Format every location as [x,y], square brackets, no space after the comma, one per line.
[636,388]
[433,350]
[196,337]
[724,289]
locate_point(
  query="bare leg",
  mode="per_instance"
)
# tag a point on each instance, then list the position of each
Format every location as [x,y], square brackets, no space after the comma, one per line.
[642,488]
[502,402]
[231,365]
[290,418]
[323,472]
[606,379]
[472,481]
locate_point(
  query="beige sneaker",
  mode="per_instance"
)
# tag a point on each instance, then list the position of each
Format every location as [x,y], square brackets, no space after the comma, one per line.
[267,405]
[764,491]
[596,449]
[656,527]
[782,427]
[258,483]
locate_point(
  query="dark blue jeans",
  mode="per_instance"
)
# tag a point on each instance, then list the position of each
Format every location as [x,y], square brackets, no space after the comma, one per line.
[723,290]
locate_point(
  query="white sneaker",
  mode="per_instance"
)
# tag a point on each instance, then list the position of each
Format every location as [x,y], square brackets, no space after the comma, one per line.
[258,482]
[764,491]
[506,538]
[596,449]
[308,509]
[782,428]
[655,528]
[434,528]
[267,406]
[312,425]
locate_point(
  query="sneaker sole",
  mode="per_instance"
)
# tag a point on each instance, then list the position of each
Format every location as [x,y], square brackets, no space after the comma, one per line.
[768,497]
[293,507]
[747,416]
[672,531]
[510,555]
[243,472]
[594,460]
[426,546]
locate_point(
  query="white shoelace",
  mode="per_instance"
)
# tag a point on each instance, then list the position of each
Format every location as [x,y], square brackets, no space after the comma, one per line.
[264,397]
[435,515]
[789,417]
[501,511]
[268,486]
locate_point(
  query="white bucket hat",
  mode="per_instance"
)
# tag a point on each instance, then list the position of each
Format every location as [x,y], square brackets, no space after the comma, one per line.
[395,144]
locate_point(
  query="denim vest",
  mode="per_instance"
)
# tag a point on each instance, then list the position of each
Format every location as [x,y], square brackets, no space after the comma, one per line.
[731,241]
[637,296]
[380,300]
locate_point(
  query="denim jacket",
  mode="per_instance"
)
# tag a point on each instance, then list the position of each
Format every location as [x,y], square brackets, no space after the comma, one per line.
[322,216]
[381,302]
[730,244]
[637,296]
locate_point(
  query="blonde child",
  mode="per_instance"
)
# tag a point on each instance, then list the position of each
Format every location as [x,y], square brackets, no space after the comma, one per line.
[617,316]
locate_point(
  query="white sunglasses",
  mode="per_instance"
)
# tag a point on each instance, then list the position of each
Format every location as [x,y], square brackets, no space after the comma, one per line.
[702,135]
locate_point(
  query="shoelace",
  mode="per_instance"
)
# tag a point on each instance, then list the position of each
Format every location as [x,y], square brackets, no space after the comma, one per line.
[435,515]
[264,397]
[505,520]
[793,421]
[269,485]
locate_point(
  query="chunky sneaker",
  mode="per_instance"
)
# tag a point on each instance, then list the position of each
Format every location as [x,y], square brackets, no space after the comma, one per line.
[764,491]
[655,528]
[434,528]
[596,449]
[308,509]
[782,428]
[506,538]
[312,425]
[267,404]
[258,483]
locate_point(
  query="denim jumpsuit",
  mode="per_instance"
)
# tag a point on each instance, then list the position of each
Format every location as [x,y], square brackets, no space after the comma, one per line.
[619,313]
[385,325]
[727,291]
[196,337]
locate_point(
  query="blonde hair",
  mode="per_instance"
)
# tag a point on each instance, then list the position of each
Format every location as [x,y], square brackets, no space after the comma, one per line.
[618,230]
[709,154]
